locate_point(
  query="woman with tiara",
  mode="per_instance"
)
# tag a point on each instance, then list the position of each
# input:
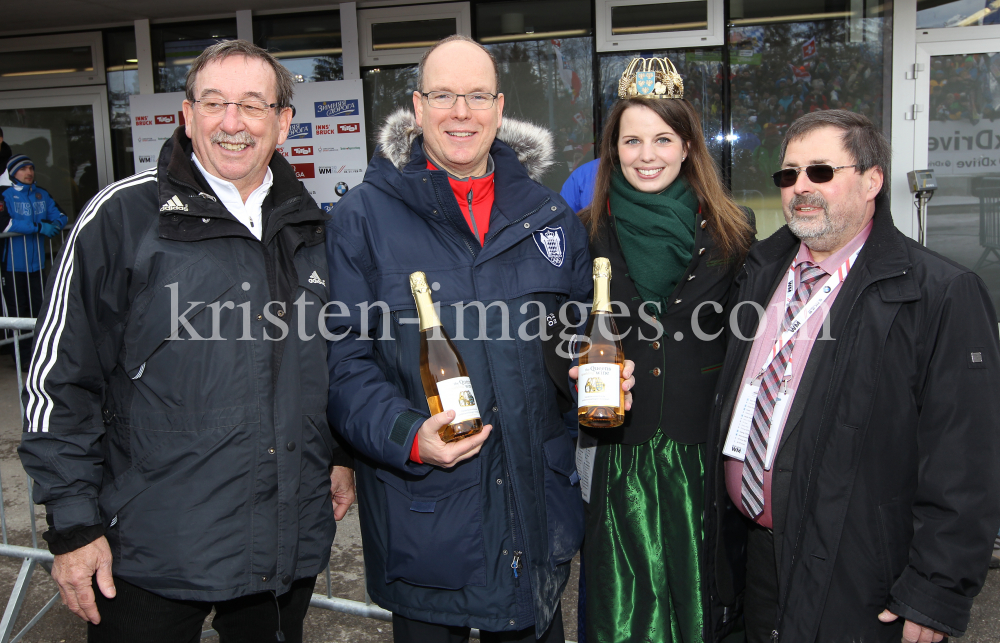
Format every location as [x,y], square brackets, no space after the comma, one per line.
[675,240]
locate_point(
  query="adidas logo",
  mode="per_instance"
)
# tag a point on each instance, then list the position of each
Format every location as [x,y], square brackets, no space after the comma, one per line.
[314,279]
[174,204]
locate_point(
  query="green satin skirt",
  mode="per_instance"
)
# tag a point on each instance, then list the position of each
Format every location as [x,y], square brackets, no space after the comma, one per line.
[644,543]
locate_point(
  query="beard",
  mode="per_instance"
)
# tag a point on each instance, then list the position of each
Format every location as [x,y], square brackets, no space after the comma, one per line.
[821,234]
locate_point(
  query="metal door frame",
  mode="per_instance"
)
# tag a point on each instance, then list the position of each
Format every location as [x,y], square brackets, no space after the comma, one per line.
[95,96]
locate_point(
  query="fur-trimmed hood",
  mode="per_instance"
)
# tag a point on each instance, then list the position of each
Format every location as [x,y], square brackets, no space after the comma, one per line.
[532,143]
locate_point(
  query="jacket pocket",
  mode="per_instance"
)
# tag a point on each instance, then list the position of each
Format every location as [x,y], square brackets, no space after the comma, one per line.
[563,502]
[435,528]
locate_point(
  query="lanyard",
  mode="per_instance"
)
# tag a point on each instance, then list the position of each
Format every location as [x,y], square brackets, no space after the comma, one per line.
[815,303]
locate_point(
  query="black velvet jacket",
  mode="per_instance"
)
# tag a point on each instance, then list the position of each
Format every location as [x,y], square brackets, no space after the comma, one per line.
[677,360]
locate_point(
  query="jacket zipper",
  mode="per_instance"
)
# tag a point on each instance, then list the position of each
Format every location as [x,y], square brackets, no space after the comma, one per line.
[472,217]
[515,565]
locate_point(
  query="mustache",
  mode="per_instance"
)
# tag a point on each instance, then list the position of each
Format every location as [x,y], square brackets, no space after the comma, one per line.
[812,200]
[240,138]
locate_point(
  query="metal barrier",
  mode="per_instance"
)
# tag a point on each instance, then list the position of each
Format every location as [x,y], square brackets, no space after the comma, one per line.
[34,556]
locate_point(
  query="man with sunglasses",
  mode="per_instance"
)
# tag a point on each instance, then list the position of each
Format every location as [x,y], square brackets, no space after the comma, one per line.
[853,488]
[175,413]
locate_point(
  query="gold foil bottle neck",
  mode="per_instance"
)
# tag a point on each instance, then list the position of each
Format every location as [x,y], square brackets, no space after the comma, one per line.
[418,283]
[602,285]
[602,267]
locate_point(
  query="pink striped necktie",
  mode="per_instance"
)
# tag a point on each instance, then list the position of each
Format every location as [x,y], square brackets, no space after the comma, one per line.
[752,492]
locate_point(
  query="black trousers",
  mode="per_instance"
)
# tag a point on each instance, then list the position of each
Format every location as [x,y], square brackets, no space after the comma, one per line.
[138,616]
[760,603]
[405,630]
[22,297]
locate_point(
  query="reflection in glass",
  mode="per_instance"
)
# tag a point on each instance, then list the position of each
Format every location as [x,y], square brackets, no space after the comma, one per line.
[176,45]
[65,60]
[658,18]
[525,20]
[308,44]
[386,89]
[411,33]
[550,83]
[701,70]
[963,149]
[957,13]
[123,81]
[782,70]
[60,142]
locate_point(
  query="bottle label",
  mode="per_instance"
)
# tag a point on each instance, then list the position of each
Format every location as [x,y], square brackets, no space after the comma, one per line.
[456,395]
[599,385]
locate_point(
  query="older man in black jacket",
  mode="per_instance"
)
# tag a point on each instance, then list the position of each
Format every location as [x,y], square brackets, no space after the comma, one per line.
[175,412]
[853,489]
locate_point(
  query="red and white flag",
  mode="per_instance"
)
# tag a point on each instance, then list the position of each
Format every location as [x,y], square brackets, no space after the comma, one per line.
[809,49]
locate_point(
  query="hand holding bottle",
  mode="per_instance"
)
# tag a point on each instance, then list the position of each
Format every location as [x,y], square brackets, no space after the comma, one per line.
[435,451]
[628,380]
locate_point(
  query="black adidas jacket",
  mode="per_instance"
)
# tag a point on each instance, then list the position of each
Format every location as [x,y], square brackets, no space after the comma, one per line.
[205,462]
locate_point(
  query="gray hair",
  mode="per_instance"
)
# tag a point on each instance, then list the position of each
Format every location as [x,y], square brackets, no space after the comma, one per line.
[283,82]
[866,144]
[456,38]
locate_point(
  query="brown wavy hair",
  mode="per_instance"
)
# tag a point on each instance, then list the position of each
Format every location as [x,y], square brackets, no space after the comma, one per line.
[727,223]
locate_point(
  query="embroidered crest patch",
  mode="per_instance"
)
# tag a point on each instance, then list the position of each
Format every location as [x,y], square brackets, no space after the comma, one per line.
[552,243]
[644,82]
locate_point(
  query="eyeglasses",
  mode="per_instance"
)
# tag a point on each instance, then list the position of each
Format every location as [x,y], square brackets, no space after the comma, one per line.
[447,100]
[253,109]
[787,177]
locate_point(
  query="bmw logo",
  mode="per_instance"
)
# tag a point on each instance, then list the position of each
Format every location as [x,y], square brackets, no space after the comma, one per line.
[340,189]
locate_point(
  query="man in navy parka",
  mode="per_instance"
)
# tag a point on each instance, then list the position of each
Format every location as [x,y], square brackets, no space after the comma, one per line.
[476,533]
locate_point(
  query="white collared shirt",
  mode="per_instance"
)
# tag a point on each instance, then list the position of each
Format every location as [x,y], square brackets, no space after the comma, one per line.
[246,213]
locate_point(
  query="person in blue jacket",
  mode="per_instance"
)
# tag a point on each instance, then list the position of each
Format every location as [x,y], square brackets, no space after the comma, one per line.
[479,532]
[28,210]
[578,190]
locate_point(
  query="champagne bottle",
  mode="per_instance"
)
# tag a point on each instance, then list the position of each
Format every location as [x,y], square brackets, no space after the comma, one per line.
[600,395]
[442,371]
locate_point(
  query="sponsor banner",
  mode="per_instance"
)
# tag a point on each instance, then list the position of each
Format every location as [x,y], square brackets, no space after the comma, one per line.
[300,130]
[339,153]
[305,170]
[154,119]
[329,138]
[959,148]
[332,108]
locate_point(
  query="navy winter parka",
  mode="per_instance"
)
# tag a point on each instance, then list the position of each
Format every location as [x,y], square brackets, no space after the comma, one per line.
[486,543]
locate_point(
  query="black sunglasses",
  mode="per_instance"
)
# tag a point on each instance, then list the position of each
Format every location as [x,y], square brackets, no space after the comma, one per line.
[787,177]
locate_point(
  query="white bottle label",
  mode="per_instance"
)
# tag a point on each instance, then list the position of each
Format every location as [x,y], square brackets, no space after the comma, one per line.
[599,385]
[456,395]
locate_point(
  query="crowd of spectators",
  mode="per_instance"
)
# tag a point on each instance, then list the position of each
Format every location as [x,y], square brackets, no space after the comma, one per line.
[965,88]
[769,96]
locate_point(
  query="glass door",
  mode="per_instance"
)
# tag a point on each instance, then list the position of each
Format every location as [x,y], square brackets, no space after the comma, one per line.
[960,138]
[66,134]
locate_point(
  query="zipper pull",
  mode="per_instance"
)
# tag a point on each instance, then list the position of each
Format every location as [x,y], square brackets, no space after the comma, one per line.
[516,563]
[774,635]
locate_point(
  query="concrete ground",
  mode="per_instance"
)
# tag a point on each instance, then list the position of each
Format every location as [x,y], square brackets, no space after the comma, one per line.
[346,577]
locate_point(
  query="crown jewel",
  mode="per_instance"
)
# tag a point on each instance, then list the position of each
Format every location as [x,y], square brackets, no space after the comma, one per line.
[650,78]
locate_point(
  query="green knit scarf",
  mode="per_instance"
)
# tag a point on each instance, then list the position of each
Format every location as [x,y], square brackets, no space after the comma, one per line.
[656,233]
